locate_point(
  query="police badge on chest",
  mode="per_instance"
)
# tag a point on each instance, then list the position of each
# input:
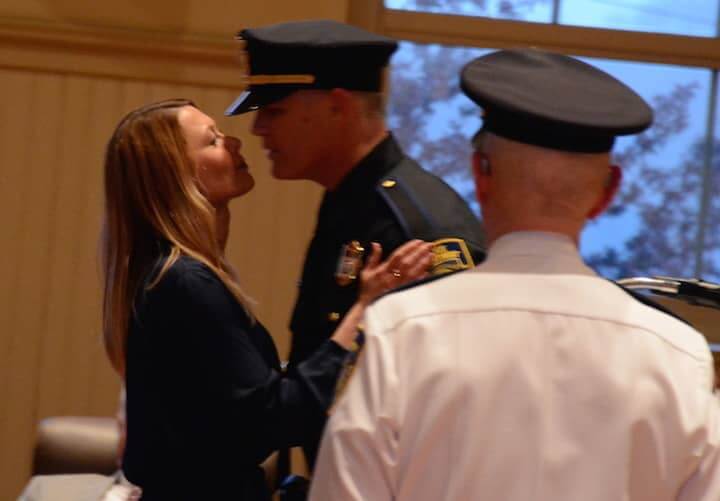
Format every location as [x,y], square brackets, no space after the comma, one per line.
[349,263]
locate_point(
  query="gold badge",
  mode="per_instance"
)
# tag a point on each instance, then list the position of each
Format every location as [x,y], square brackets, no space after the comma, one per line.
[450,254]
[349,263]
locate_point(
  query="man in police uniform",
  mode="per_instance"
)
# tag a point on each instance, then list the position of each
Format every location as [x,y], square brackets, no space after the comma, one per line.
[529,376]
[317,89]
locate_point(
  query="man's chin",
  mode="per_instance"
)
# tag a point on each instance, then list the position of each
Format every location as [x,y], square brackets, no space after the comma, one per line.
[280,173]
[247,189]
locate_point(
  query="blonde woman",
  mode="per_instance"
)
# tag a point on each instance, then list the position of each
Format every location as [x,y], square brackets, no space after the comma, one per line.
[206,400]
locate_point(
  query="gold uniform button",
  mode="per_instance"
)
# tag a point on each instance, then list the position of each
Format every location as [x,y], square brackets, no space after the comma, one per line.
[389,183]
[334,316]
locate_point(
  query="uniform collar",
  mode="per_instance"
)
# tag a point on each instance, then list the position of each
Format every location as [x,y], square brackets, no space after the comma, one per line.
[535,252]
[360,180]
[370,169]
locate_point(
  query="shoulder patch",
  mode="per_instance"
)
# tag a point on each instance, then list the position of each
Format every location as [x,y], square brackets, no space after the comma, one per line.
[450,254]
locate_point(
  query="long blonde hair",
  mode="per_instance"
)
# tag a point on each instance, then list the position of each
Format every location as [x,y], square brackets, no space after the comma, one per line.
[152,204]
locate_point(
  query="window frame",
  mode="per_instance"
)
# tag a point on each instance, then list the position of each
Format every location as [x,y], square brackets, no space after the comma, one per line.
[449,29]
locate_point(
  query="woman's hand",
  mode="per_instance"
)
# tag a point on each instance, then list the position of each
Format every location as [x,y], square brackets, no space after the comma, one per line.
[407,263]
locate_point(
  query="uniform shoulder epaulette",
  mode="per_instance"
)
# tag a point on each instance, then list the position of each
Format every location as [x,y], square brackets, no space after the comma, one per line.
[652,304]
[402,200]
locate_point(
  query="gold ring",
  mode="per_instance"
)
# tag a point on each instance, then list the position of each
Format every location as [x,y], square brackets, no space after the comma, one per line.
[396,273]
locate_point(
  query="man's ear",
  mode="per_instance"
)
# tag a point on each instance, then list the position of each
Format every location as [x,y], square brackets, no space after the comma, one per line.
[342,101]
[612,184]
[481,174]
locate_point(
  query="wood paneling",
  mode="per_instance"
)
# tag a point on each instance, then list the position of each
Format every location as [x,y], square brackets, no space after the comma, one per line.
[217,18]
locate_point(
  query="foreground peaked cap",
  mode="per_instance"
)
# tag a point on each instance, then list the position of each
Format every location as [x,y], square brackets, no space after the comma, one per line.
[552,100]
[286,57]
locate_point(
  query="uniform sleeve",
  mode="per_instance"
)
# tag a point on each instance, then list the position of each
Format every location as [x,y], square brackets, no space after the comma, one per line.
[357,458]
[222,380]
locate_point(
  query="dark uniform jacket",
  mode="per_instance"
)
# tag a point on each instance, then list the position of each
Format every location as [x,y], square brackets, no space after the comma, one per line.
[206,401]
[387,198]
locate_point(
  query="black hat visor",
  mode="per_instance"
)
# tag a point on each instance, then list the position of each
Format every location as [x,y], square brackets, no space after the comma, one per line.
[255,98]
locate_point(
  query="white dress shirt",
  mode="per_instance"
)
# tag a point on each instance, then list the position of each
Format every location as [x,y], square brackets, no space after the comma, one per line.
[528,377]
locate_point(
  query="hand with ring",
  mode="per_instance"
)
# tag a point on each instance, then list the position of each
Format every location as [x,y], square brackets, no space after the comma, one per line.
[407,263]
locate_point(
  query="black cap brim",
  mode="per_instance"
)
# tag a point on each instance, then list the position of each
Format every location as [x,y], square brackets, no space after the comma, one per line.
[255,99]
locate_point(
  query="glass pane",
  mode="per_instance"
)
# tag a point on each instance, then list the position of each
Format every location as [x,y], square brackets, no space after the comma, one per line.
[711,265]
[521,10]
[689,17]
[652,226]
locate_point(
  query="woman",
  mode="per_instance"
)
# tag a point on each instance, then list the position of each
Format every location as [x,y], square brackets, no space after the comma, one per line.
[206,401]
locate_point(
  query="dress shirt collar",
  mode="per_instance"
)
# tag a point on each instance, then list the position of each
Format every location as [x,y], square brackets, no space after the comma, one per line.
[535,252]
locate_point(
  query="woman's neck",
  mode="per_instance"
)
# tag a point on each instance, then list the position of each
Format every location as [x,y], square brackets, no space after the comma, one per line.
[222,225]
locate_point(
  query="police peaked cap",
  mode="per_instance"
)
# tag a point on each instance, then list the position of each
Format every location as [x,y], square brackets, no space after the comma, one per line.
[286,57]
[552,100]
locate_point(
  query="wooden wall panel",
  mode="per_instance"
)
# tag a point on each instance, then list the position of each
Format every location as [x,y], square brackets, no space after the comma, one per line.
[31,255]
[104,109]
[19,347]
[207,17]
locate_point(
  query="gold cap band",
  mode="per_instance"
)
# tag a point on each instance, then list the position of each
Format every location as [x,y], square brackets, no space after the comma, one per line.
[278,79]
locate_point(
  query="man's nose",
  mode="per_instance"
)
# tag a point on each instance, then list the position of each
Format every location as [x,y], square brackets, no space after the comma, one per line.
[233,144]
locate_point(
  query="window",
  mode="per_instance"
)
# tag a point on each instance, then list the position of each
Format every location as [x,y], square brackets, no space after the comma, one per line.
[690,17]
[666,219]
[540,11]
[652,225]
[711,235]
